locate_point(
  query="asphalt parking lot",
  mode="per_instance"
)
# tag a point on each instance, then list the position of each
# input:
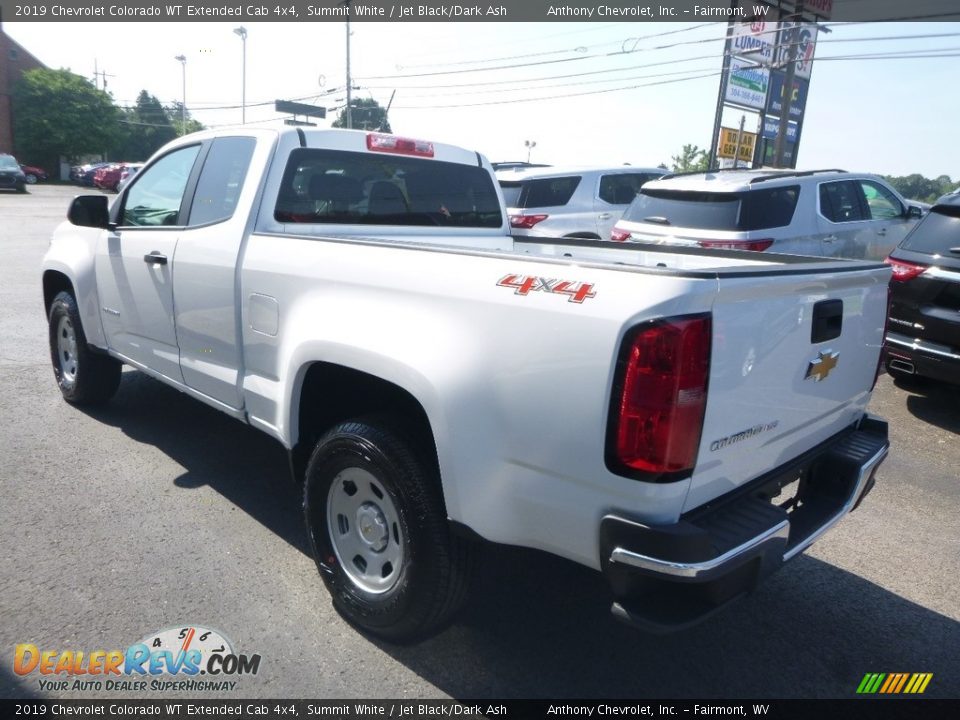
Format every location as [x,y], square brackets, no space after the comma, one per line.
[156,511]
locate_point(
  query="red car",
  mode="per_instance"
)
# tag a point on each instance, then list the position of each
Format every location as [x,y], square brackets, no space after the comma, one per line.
[107,177]
[33,174]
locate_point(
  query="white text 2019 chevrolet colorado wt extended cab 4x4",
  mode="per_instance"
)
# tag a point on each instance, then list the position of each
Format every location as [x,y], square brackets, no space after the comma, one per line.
[682,420]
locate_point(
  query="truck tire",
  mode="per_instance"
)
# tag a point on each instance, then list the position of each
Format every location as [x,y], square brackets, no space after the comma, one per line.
[378,529]
[84,376]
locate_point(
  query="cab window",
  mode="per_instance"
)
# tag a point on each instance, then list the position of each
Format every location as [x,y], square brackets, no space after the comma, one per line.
[334,186]
[221,180]
[155,199]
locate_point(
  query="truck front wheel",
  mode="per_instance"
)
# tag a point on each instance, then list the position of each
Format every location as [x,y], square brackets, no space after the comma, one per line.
[84,376]
[379,533]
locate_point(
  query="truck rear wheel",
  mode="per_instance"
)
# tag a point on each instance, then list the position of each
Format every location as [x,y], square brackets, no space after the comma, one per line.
[379,533]
[84,377]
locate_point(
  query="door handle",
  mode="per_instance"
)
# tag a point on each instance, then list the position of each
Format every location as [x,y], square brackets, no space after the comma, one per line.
[604,216]
[881,231]
[155,258]
[830,238]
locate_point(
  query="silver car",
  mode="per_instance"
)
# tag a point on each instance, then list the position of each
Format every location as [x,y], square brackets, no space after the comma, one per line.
[570,202]
[829,213]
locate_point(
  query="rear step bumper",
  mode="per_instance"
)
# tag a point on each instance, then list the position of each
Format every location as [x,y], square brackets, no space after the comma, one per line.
[668,577]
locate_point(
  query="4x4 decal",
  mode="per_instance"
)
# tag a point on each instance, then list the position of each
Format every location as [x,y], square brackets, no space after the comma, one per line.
[575,290]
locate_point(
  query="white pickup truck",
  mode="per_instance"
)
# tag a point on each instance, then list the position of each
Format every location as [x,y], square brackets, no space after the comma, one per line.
[682,420]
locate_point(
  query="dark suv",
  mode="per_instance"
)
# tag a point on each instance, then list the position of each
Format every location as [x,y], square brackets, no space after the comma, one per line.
[923,334]
[11,176]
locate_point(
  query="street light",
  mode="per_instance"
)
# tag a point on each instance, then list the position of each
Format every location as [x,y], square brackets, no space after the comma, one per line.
[529,145]
[346,4]
[242,33]
[183,107]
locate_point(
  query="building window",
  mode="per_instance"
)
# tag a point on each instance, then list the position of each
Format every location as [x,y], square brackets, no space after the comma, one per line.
[14,55]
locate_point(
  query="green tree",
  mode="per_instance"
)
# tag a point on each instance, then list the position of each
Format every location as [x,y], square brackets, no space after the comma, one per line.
[174,110]
[145,128]
[691,159]
[57,113]
[918,187]
[367,115]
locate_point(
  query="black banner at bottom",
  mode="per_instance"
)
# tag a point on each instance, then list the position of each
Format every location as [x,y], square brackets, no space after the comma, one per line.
[177,709]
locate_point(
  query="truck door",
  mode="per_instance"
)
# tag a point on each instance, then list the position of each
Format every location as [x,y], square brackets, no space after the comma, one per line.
[134,264]
[205,271]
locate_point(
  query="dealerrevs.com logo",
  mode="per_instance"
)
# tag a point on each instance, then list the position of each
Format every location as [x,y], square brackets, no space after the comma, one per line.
[189,659]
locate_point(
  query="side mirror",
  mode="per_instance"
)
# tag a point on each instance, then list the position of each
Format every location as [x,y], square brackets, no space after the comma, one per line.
[89,211]
[914,211]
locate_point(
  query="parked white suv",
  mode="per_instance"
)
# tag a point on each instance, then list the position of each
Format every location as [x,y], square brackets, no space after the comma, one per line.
[570,202]
[831,213]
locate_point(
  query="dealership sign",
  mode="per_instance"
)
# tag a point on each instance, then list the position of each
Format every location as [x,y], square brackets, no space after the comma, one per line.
[747,84]
[756,40]
[804,37]
[771,128]
[798,95]
[732,142]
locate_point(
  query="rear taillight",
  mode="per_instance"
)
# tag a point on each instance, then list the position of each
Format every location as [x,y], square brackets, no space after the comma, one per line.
[755,245]
[526,221]
[398,145]
[618,235]
[904,271]
[659,398]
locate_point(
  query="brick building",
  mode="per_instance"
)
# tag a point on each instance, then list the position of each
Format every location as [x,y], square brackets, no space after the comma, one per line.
[14,61]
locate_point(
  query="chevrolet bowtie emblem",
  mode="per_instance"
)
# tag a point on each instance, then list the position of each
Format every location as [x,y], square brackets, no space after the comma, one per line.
[819,368]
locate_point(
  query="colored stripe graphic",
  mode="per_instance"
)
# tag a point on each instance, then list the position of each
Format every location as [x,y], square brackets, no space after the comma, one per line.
[894,683]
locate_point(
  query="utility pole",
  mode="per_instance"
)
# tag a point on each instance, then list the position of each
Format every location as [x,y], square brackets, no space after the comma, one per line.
[721,98]
[98,75]
[780,144]
[736,152]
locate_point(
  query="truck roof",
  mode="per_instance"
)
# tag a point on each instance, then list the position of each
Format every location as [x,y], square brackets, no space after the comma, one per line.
[347,140]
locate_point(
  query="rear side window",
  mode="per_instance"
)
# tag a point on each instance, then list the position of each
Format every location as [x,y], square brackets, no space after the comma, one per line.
[622,188]
[770,208]
[221,180]
[539,193]
[841,201]
[333,186]
[937,233]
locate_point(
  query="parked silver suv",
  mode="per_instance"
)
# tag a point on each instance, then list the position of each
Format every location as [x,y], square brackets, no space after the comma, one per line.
[831,213]
[570,202]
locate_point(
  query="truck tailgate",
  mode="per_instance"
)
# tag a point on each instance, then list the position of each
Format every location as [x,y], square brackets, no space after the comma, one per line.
[793,361]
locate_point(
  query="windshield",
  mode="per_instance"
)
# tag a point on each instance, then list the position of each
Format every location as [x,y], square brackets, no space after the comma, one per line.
[7,162]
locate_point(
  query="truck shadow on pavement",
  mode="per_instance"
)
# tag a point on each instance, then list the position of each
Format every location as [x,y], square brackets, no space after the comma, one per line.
[932,402]
[241,463]
[539,626]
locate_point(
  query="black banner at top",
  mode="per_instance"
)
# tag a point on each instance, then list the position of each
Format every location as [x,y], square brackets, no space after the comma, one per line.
[485,11]
[359,709]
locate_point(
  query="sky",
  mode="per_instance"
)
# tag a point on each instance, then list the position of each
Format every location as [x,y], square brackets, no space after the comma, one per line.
[586,93]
